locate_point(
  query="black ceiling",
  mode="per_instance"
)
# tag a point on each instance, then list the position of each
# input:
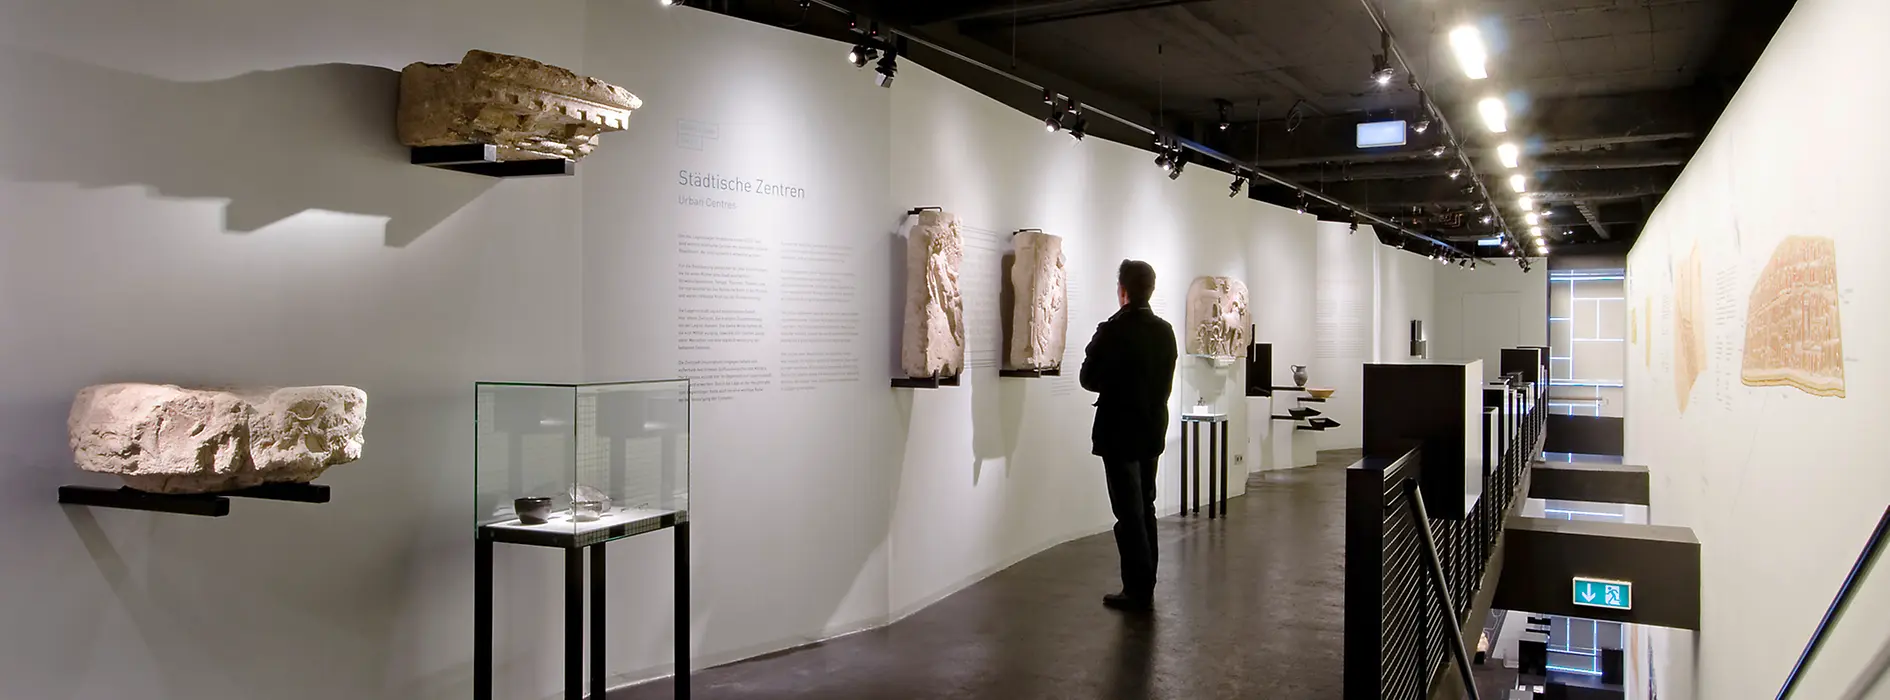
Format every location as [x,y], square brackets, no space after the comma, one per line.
[1609,97]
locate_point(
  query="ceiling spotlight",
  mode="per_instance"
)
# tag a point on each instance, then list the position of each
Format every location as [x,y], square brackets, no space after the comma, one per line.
[1547,212]
[1161,159]
[888,65]
[861,55]
[1302,201]
[1495,115]
[1439,152]
[1180,161]
[1479,206]
[1487,218]
[669,3]
[1421,126]
[1223,106]
[1467,43]
[1468,189]
[1519,183]
[1079,127]
[1240,180]
[1533,218]
[1526,203]
[1381,70]
[1455,173]
[1509,154]
[1473,264]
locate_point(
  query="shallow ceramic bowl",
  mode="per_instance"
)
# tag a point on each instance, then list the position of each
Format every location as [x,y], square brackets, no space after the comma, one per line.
[535,510]
[1321,393]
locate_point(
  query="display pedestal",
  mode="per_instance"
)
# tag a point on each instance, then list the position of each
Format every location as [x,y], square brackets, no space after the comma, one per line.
[1217,462]
[574,539]
[1295,440]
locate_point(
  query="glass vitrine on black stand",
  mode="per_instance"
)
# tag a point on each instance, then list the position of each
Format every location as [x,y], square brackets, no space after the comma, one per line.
[573,467]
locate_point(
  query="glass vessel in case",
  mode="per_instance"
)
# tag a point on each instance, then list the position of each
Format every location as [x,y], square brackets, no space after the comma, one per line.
[572,465]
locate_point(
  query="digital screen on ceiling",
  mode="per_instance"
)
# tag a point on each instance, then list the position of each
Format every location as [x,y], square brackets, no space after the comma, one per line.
[1381,134]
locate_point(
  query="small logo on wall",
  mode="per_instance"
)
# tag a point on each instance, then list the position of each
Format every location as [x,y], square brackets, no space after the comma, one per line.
[695,135]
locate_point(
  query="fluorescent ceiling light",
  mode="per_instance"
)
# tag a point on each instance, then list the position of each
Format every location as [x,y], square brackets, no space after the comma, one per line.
[1509,154]
[1526,203]
[1467,43]
[1495,115]
[1490,242]
[1533,218]
[1519,183]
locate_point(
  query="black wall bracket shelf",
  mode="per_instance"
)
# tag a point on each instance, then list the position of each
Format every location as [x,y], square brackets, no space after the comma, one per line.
[915,210]
[483,159]
[924,382]
[1030,373]
[210,505]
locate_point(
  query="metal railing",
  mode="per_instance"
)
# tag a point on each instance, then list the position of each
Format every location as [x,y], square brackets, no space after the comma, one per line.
[1866,560]
[1403,615]
[1414,499]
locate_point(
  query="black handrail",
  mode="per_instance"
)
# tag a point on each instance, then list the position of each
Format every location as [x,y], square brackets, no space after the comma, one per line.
[1865,560]
[1429,546]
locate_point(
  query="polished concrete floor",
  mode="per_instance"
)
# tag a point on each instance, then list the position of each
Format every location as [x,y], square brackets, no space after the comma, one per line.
[1251,606]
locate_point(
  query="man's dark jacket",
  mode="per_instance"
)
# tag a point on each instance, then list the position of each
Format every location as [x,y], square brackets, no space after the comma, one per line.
[1130,364]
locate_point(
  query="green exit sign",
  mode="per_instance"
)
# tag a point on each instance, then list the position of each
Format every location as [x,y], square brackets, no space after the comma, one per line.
[1602,593]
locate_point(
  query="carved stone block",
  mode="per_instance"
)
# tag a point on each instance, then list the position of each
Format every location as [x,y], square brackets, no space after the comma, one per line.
[528,109]
[1040,317]
[1218,319]
[934,339]
[168,439]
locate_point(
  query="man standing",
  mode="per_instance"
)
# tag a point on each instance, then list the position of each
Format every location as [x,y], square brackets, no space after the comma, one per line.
[1130,364]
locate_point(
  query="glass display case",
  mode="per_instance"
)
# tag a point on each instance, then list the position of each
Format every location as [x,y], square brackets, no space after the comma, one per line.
[1209,383]
[573,465]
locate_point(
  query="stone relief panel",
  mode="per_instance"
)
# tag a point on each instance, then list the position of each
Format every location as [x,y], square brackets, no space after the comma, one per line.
[530,110]
[168,439]
[934,338]
[1040,316]
[1218,318]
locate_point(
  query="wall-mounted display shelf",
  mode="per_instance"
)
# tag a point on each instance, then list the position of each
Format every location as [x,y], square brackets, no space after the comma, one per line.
[925,382]
[483,159]
[1030,373]
[212,505]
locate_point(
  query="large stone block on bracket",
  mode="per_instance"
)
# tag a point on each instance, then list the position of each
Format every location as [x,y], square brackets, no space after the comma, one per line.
[934,339]
[530,110]
[169,439]
[1040,317]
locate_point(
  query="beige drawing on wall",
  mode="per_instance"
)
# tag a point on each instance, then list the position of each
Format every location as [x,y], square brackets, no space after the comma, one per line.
[1689,332]
[1793,337]
[1647,325]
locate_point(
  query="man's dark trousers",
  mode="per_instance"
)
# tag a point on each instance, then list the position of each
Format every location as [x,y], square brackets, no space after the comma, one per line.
[1132,497]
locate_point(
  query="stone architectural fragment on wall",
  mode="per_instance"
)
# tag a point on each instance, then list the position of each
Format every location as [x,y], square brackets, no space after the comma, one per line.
[168,439]
[1040,317]
[528,109]
[934,338]
[1218,319]
[1793,337]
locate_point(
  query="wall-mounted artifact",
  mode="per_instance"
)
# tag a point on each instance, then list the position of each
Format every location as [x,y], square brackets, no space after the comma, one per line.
[1217,317]
[168,439]
[529,110]
[1040,318]
[934,339]
[533,510]
[1793,337]
[1299,376]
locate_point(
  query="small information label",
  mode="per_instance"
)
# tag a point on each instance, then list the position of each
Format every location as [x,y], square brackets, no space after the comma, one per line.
[1600,593]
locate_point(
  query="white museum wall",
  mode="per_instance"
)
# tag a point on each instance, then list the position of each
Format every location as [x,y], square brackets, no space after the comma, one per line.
[1407,285]
[1281,262]
[1000,468]
[1781,487]
[212,193]
[1345,327]
[1480,312]
[791,473]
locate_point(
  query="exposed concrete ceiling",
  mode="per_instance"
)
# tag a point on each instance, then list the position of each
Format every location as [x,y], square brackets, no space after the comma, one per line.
[1609,97]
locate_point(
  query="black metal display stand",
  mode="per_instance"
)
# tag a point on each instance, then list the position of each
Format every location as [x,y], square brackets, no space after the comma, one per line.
[924,382]
[1030,373]
[483,159]
[211,505]
[1217,463]
[574,545]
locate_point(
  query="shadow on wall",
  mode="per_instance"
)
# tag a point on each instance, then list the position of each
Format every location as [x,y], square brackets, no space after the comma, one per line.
[273,143]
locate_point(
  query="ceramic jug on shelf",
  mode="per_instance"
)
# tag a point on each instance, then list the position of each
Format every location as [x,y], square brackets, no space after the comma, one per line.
[1299,375]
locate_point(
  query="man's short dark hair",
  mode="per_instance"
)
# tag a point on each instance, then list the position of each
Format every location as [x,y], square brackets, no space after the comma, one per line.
[1137,279]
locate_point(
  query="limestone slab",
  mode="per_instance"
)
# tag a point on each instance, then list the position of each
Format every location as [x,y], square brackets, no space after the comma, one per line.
[1040,316]
[169,439]
[530,110]
[933,343]
[1218,318]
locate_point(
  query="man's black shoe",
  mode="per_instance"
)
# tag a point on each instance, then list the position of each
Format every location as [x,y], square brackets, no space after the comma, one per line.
[1118,601]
